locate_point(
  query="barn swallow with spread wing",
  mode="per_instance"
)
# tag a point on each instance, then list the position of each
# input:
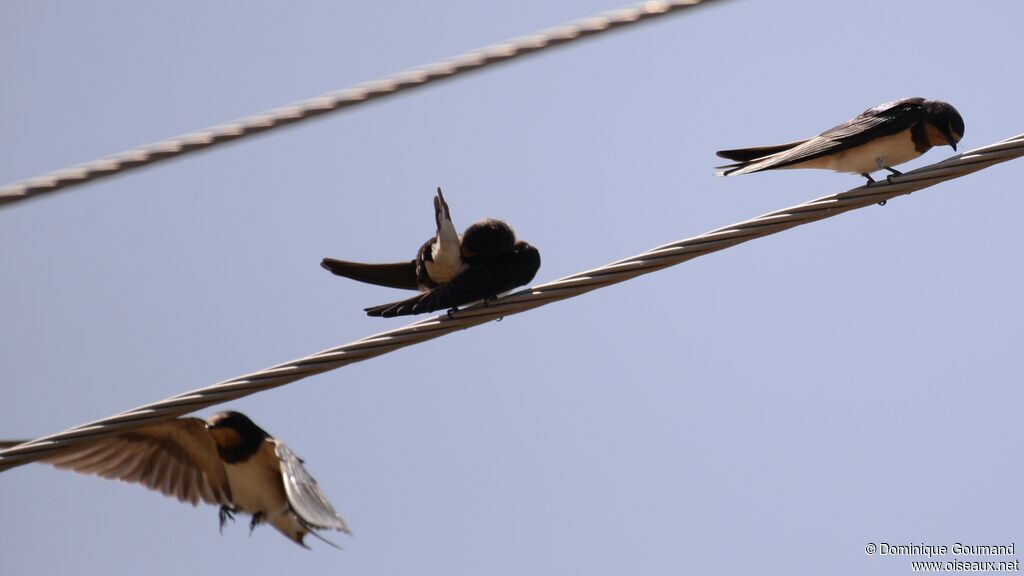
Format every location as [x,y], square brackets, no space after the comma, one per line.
[878,139]
[450,270]
[226,460]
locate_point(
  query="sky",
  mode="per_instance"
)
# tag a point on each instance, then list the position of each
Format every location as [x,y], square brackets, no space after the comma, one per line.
[771,408]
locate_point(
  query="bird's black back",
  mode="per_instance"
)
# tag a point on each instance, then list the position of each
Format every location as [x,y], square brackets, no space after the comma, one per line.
[487,239]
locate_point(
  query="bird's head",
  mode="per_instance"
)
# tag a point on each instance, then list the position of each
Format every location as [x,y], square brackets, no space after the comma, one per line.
[944,124]
[236,436]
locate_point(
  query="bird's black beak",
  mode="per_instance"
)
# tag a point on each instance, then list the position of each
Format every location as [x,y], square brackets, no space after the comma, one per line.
[951,138]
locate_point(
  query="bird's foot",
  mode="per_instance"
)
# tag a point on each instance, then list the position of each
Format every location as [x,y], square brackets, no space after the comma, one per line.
[894,173]
[451,311]
[490,300]
[257,518]
[226,513]
[868,176]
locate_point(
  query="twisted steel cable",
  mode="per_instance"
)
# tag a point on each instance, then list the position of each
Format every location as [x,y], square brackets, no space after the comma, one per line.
[568,287]
[347,98]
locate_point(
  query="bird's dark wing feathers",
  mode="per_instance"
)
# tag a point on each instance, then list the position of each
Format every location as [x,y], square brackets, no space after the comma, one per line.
[306,499]
[479,281]
[884,120]
[177,457]
[748,154]
[397,275]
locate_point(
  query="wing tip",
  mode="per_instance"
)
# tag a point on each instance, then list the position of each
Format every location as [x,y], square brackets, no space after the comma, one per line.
[332,265]
[379,311]
[400,275]
[321,538]
[416,305]
[730,169]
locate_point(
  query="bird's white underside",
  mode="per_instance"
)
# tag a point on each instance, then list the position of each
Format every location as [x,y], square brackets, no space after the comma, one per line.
[879,153]
[447,254]
[256,486]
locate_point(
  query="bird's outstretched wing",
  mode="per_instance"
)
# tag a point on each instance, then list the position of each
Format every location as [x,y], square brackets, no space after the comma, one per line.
[884,120]
[176,457]
[307,500]
[479,281]
[397,275]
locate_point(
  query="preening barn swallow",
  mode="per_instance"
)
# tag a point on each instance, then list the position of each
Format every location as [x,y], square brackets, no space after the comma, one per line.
[879,138]
[226,460]
[450,270]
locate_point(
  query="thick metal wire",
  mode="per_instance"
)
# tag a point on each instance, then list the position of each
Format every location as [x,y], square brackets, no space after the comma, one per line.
[335,101]
[620,271]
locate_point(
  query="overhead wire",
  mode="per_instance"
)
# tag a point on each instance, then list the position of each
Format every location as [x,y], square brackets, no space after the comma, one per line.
[342,99]
[619,271]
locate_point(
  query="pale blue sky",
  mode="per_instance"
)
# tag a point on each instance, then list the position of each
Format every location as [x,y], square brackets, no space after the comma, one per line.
[768,409]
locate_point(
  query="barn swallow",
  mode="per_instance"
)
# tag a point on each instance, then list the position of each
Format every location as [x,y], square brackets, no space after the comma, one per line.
[226,460]
[878,139]
[450,270]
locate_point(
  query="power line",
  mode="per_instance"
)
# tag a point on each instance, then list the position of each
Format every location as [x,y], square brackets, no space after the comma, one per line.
[343,99]
[568,287]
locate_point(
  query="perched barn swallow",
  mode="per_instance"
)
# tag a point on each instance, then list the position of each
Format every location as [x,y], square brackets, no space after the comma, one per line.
[878,139]
[450,270]
[226,460]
